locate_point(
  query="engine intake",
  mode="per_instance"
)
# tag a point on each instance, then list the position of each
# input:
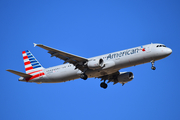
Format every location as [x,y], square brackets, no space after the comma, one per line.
[95,64]
[125,77]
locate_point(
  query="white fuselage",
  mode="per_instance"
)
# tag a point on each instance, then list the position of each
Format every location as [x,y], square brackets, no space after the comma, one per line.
[113,62]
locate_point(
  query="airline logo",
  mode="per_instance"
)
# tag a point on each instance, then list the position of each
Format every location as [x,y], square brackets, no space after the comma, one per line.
[32,66]
[125,53]
[143,49]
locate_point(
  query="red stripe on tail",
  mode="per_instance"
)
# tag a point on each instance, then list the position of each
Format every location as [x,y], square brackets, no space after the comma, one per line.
[27,63]
[29,68]
[35,76]
[35,72]
[25,57]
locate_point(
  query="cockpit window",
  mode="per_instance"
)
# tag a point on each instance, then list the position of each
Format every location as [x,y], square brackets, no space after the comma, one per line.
[160,46]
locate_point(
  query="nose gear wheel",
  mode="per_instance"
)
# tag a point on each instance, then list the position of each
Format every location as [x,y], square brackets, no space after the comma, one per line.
[153,67]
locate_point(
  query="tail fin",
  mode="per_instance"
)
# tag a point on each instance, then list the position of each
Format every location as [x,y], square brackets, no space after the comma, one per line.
[32,66]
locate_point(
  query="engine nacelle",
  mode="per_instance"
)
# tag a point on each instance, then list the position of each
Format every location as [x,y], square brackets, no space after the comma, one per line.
[125,77]
[95,64]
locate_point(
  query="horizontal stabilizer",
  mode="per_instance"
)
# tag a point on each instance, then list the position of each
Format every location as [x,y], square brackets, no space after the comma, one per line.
[19,73]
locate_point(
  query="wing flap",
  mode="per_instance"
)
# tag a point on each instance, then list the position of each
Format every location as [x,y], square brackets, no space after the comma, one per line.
[111,78]
[19,73]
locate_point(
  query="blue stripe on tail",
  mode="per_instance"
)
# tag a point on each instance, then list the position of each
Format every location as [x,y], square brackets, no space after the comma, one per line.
[32,59]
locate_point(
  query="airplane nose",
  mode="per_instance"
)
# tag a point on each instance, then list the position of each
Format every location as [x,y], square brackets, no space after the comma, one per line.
[168,51]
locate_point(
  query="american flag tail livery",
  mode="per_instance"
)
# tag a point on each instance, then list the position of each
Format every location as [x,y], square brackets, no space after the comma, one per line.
[32,66]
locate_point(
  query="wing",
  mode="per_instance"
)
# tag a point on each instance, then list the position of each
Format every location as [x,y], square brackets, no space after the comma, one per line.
[111,77]
[67,57]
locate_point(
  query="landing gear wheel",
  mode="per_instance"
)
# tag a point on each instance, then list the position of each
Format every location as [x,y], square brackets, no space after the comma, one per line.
[84,76]
[153,68]
[152,62]
[103,85]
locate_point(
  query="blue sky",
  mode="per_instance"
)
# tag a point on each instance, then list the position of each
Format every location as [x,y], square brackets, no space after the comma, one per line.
[89,28]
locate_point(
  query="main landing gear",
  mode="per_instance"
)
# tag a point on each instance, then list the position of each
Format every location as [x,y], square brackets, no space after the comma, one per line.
[153,67]
[83,76]
[103,85]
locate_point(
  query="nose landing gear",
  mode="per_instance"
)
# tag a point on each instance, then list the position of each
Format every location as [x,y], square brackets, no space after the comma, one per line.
[153,67]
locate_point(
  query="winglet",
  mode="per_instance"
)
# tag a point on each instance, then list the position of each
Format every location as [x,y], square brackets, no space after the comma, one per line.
[35,44]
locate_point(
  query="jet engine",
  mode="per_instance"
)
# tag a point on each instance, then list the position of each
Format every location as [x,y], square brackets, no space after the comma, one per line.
[125,77]
[95,64]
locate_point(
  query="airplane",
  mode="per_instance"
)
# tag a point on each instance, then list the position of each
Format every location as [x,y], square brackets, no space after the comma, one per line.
[105,67]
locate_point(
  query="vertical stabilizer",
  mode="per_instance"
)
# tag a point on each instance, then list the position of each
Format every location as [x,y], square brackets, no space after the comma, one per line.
[32,66]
